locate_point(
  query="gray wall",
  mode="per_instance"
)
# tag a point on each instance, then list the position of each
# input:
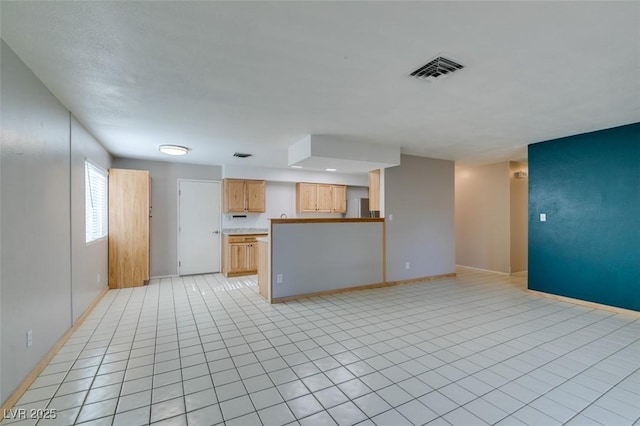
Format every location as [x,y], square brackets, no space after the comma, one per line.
[483,217]
[42,223]
[314,257]
[164,206]
[419,194]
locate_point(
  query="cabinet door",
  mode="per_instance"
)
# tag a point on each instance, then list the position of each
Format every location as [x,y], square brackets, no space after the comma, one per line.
[339,195]
[374,190]
[255,194]
[252,257]
[234,198]
[324,201]
[306,197]
[238,259]
[129,206]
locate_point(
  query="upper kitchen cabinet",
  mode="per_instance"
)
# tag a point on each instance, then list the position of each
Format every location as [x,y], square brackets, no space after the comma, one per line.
[374,190]
[339,197]
[320,198]
[244,196]
[129,207]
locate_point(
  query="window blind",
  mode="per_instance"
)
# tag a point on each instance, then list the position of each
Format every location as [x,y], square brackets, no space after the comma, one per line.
[95,202]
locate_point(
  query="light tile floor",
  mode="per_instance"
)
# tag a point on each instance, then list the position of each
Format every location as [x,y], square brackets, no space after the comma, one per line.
[471,350]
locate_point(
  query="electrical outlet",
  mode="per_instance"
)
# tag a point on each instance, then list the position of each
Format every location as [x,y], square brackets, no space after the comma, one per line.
[390,217]
[29,338]
[407,265]
[543,217]
[279,278]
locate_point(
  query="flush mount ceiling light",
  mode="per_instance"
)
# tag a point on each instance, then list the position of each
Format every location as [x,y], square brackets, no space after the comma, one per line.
[173,149]
[330,170]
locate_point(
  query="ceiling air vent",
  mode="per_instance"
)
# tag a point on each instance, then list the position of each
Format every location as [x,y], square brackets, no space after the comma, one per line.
[438,67]
[242,155]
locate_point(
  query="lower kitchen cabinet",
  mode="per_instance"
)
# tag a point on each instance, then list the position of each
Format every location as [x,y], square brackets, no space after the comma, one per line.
[240,255]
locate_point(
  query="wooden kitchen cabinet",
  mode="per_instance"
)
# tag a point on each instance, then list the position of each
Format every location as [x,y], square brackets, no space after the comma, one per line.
[129,211]
[240,255]
[339,198]
[244,196]
[320,198]
[374,190]
[324,200]
[306,194]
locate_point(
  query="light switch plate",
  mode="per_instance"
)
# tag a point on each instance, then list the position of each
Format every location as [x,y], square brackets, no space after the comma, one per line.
[543,217]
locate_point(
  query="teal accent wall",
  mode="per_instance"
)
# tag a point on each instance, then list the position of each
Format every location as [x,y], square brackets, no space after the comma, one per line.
[589,187]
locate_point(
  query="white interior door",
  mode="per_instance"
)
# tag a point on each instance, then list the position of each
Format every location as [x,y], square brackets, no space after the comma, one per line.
[198,227]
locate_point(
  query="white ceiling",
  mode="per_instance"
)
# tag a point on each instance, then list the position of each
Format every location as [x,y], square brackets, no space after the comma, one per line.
[255,77]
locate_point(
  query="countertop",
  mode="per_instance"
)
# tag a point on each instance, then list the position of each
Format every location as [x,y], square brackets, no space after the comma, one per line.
[263,240]
[245,231]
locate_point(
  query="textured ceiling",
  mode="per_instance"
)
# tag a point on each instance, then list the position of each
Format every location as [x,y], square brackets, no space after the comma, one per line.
[255,77]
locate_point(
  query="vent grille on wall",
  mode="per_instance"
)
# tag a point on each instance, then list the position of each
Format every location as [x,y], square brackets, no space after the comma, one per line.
[438,67]
[242,155]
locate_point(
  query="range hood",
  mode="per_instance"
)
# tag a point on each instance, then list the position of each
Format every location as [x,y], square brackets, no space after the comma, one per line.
[327,152]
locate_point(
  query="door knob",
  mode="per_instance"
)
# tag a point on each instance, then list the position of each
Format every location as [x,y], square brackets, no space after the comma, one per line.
[216,232]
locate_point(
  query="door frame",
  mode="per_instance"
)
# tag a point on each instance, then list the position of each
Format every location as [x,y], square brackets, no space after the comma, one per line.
[219,182]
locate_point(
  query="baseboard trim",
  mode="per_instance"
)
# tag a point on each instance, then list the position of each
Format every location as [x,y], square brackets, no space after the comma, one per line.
[586,303]
[482,270]
[421,279]
[361,287]
[33,375]
[157,277]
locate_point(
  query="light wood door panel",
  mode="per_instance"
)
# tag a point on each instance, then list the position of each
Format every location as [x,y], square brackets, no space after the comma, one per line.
[325,200]
[306,197]
[374,190]
[339,196]
[129,204]
[255,196]
[234,199]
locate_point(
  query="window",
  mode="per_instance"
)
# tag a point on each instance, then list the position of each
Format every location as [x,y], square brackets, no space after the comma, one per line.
[95,192]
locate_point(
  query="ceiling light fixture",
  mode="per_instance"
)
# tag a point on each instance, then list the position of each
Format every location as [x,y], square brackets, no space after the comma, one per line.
[173,149]
[296,167]
[330,170]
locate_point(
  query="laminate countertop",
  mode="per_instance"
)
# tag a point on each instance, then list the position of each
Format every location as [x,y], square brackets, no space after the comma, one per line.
[245,231]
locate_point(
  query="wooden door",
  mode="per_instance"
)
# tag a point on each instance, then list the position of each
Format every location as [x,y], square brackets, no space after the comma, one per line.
[306,197]
[129,205]
[234,198]
[339,196]
[324,201]
[255,196]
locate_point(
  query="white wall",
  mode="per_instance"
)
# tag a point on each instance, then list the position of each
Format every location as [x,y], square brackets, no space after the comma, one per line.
[47,272]
[164,206]
[419,195]
[281,199]
[294,175]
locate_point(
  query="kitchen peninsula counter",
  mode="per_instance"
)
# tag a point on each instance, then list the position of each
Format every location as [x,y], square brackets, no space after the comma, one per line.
[310,256]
